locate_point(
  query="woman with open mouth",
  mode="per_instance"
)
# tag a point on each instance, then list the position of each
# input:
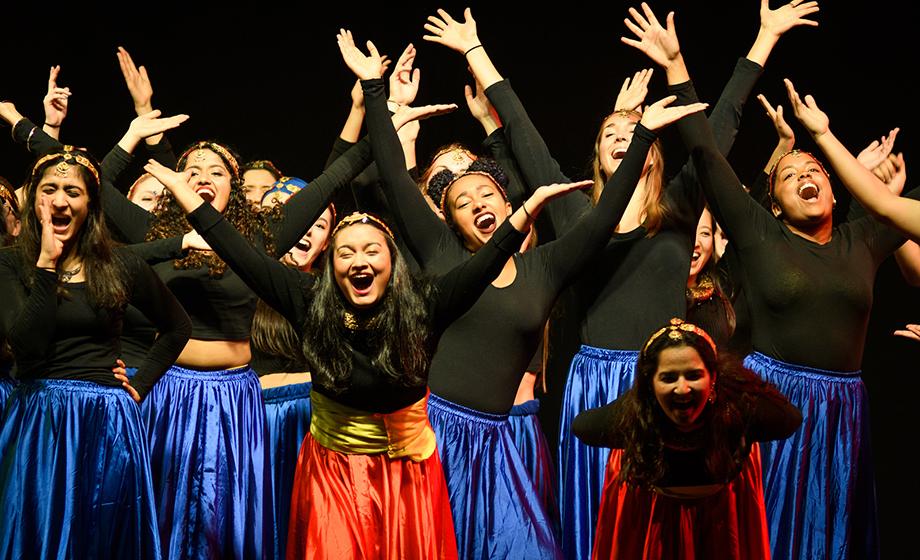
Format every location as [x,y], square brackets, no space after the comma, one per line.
[476,370]
[74,462]
[809,285]
[684,477]
[639,280]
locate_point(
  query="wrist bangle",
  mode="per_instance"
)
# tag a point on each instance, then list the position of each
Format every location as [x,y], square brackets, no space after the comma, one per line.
[29,138]
[52,125]
[526,213]
[479,46]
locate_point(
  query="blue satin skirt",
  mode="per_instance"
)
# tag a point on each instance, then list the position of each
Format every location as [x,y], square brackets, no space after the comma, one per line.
[287,410]
[75,477]
[496,508]
[819,484]
[6,387]
[535,453]
[211,471]
[597,377]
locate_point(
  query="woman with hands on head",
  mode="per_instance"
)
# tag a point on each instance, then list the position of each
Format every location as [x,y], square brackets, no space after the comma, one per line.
[496,510]
[74,462]
[640,279]
[809,285]
[369,482]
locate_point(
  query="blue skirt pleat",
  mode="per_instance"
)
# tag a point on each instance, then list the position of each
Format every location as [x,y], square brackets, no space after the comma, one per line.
[530,442]
[819,484]
[6,387]
[496,508]
[75,478]
[210,462]
[597,376]
[287,410]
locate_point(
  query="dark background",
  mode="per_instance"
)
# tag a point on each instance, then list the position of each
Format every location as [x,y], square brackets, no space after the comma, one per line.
[270,82]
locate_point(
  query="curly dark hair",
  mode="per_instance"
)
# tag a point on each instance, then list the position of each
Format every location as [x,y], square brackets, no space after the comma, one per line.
[169,219]
[444,179]
[105,274]
[645,425]
[398,327]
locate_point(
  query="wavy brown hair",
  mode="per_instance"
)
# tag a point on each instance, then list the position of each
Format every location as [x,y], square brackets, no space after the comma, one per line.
[169,219]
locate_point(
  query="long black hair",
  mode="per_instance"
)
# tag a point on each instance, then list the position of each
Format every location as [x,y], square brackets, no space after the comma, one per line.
[397,327]
[105,274]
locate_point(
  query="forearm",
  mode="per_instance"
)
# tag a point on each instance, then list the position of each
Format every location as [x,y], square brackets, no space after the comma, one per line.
[351,131]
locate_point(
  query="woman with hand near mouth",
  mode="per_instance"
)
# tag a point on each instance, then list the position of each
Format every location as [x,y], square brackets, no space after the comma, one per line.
[684,477]
[809,285]
[74,463]
[640,279]
[476,370]
[369,482]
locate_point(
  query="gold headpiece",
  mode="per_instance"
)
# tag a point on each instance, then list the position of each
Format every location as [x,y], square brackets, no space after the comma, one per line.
[223,152]
[362,218]
[793,151]
[674,331]
[10,197]
[68,158]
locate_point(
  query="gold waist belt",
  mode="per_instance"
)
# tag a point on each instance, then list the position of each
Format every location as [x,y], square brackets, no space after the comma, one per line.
[403,433]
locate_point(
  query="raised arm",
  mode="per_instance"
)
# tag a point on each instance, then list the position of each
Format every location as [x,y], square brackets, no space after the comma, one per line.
[55,103]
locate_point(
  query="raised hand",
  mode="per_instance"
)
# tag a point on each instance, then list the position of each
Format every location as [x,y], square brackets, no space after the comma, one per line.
[121,374]
[633,91]
[174,181]
[893,172]
[365,67]
[873,155]
[782,19]
[658,43]
[807,111]
[404,81]
[783,131]
[453,34]
[357,92]
[138,82]
[51,246]
[55,101]
[909,331]
[405,114]
[659,115]
[193,240]
[147,125]
[548,193]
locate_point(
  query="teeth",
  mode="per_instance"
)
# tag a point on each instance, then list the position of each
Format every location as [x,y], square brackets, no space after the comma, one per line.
[808,191]
[696,255]
[619,153]
[484,220]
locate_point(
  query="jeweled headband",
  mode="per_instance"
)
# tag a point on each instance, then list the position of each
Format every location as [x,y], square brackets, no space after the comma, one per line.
[199,148]
[792,152]
[68,158]
[362,218]
[263,164]
[286,185]
[674,330]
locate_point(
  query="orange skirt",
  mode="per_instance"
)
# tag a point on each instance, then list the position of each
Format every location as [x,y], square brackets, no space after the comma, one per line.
[637,523]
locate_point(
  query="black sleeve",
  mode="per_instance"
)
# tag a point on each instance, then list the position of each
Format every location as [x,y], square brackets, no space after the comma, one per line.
[129,220]
[281,287]
[339,147]
[772,417]
[160,306]
[499,149]
[534,158]
[302,209]
[160,250]
[760,189]
[459,289]
[114,164]
[567,256]
[427,236]
[162,152]
[27,316]
[35,139]
[599,426]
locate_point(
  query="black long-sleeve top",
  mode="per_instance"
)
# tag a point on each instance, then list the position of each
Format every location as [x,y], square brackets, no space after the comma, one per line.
[639,282]
[289,291]
[480,358]
[767,416]
[66,337]
[221,308]
[809,303]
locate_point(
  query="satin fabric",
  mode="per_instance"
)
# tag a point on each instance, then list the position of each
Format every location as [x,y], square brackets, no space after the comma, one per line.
[211,470]
[75,477]
[637,523]
[372,507]
[6,387]
[535,453]
[287,412]
[496,508]
[819,484]
[596,377]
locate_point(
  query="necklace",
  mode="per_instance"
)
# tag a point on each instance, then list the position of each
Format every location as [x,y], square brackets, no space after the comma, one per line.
[67,275]
[703,290]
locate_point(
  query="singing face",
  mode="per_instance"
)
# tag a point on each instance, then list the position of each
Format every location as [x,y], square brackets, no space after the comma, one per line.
[312,244]
[477,208]
[209,177]
[64,186]
[256,182]
[703,246]
[802,193]
[682,385]
[362,264]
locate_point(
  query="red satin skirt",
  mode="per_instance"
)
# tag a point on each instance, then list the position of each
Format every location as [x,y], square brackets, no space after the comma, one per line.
[369,507]
[637,523]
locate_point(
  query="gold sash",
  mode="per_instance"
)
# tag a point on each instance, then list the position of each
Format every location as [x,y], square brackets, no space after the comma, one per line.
[403,433]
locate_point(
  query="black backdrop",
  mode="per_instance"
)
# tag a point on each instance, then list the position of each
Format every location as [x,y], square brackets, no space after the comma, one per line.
[269,81]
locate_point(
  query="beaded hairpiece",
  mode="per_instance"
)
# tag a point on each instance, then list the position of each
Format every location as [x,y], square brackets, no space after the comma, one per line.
[265,165]
[223,152]
[286,185]
[362,218]
[674,332]
[10,197]
[68,158]
[792,152]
